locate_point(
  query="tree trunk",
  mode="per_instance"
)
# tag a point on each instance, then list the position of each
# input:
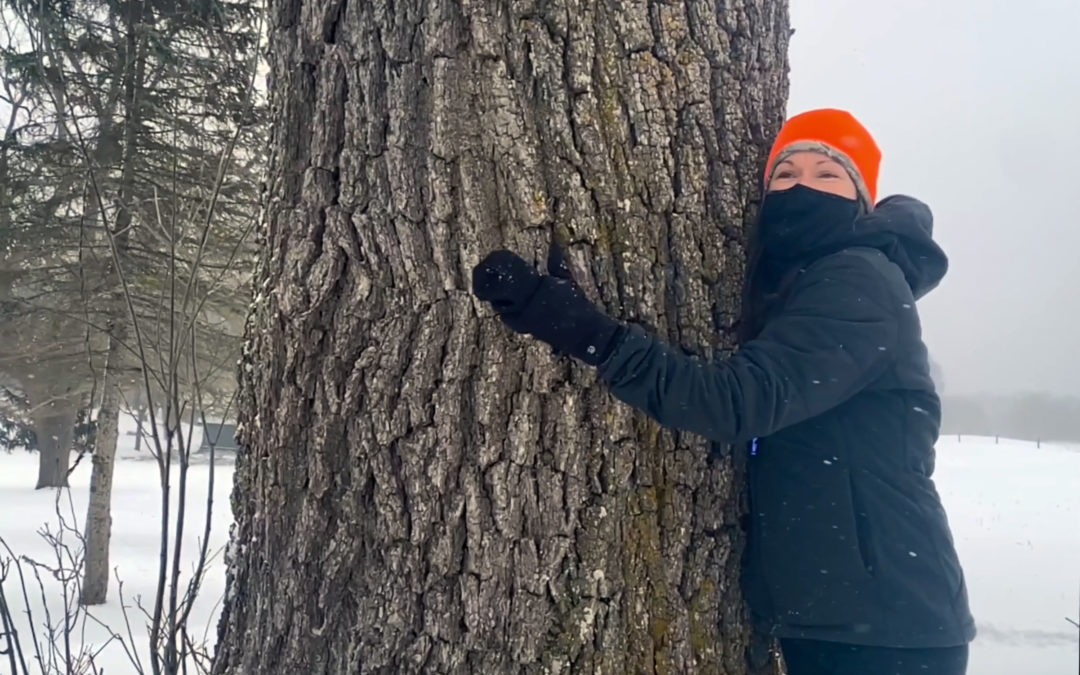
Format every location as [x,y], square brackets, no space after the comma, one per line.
[419,490]
[98,530]
[140,419]
[54,427]
[120,320]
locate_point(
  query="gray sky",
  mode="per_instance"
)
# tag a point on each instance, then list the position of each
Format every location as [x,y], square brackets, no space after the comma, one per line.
[976,106]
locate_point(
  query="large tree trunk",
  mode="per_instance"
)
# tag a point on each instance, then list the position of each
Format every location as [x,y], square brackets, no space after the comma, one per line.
[421,491]
[54,426]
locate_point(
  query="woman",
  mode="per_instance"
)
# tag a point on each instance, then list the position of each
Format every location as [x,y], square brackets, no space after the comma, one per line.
[850,560]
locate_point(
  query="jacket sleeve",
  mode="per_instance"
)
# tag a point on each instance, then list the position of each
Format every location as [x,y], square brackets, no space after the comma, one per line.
[836,333]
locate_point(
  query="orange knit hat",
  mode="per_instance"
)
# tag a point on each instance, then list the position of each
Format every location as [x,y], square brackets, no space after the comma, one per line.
[839,135]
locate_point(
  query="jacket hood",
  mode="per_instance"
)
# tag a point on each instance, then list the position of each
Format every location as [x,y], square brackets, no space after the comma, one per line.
[903,229]
[900,227]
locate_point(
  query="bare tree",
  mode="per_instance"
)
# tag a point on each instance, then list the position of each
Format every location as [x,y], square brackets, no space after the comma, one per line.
[55,635]
[51,639]
[420,491]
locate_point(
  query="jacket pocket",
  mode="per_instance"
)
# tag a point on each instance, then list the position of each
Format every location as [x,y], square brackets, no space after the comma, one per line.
[916,560]
[810,547]
[864,533]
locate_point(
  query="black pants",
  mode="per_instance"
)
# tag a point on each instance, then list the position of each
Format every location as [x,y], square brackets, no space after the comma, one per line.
[814,657]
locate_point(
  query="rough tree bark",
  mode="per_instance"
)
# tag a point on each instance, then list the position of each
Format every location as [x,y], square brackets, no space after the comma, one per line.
[421,491]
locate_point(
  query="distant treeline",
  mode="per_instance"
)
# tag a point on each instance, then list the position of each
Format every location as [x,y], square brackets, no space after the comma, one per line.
[1023,416]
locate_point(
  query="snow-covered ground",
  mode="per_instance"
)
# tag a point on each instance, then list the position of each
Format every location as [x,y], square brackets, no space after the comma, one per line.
[1015,515]
[135,544]
[1014,509]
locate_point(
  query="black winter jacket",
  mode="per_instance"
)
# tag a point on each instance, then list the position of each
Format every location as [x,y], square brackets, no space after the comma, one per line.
[848,540]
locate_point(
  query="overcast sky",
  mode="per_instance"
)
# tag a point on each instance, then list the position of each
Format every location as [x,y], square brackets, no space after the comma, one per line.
[976,106]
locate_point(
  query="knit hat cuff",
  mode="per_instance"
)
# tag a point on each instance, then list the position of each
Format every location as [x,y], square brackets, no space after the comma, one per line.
[832,153]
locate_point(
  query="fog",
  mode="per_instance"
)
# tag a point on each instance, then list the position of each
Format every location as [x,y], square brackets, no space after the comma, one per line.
[976,106]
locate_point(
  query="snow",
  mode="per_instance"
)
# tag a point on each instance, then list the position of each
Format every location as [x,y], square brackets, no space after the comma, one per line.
[1014,509]
[135,544]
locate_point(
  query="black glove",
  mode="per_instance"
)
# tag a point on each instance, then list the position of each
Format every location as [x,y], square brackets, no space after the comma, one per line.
[551,307]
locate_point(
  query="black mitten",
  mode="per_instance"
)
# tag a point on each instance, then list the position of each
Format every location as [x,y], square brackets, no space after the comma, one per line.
[550,307]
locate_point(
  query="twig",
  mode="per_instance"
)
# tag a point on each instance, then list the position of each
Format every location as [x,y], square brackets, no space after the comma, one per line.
[11,632]
[26,603]
[48,614]
[136,661]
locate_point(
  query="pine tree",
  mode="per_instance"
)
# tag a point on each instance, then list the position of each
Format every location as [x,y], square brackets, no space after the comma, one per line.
[144,124]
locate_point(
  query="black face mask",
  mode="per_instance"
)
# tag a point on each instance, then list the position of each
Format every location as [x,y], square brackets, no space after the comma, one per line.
[796,222]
